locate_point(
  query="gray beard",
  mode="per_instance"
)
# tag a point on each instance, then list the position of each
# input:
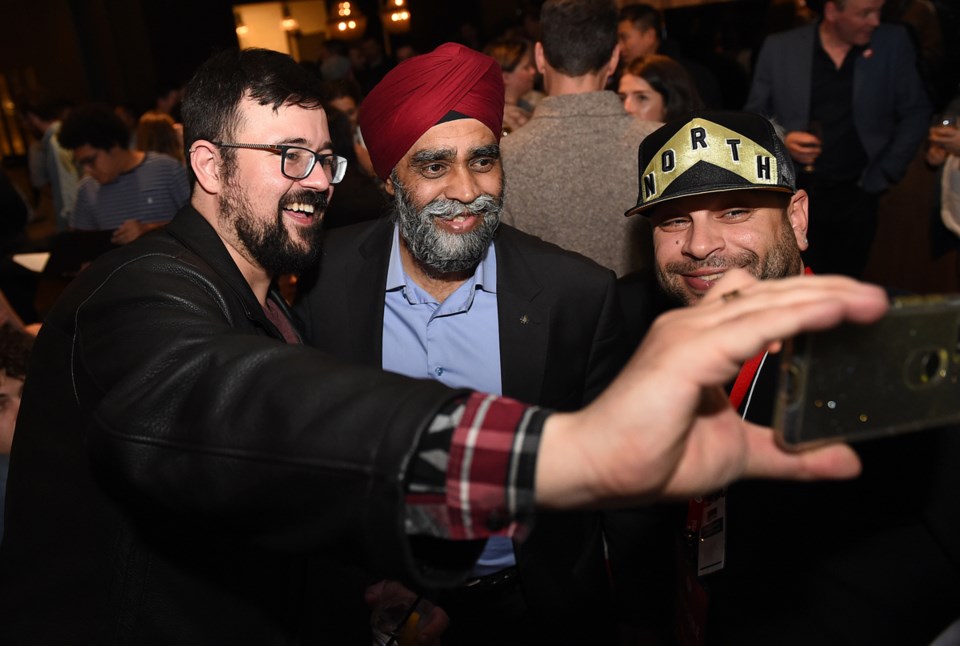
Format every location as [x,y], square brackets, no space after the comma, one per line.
[437,251]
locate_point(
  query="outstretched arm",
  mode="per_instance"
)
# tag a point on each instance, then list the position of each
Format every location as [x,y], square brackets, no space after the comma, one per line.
[665,429]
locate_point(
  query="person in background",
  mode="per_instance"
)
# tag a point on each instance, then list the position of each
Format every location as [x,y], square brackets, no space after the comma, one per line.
[848,91]
[127,191]
[157,132]
[344,95]
[641,32]
[333,63]
[657,88]
[168,100]
[515,57]
[360,195]
[51,164]
[943,151]
[15,345]
[574,164]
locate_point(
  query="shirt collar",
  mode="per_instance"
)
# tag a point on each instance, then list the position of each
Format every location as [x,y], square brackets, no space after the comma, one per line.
[484,278]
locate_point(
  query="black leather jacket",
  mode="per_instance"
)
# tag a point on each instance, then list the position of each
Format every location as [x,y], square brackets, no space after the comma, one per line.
[175,461]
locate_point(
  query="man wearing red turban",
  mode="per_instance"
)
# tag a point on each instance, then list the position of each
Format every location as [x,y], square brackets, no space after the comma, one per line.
[445,291]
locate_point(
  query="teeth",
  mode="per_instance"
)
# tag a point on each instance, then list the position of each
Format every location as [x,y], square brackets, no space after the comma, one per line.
[300,208]
[711,277]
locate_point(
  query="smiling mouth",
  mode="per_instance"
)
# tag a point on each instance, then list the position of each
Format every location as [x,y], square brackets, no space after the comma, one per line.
[708,278]
[300,208]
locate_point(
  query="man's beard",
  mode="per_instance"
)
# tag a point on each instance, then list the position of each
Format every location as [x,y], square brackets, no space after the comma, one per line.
[269,243]
[783,260]
[436,250]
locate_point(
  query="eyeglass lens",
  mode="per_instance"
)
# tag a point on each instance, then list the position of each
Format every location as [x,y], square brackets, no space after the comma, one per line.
[298,162]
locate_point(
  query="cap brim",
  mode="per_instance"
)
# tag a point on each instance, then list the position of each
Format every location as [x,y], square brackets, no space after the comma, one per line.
[640,208]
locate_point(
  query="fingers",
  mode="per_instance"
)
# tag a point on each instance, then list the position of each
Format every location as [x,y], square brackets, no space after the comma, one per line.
[705,344]
[767,460]
[738,294]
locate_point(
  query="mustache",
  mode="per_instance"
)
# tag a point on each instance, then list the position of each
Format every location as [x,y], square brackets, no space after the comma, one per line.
[318,201]
[449,209]
[744,259]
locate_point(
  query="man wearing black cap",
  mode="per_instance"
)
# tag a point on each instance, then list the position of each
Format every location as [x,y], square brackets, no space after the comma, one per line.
[873,561]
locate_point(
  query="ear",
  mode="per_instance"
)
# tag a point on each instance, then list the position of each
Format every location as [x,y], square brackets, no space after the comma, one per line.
[614,60]
[538,56]
[388,187]
[205,162]
[797,213]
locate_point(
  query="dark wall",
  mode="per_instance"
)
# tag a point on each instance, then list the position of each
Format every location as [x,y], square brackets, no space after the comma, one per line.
[109,50]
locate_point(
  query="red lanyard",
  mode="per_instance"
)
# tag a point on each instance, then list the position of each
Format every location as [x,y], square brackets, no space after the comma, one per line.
[748,371]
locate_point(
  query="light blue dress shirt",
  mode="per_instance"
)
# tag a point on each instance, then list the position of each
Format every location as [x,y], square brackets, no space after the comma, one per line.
[456,342]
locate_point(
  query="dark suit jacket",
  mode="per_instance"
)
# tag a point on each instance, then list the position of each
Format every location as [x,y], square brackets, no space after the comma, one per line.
[889,101]
[875,560]
[560,345]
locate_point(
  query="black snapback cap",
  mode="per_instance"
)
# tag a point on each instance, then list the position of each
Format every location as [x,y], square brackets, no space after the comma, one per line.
[712,152]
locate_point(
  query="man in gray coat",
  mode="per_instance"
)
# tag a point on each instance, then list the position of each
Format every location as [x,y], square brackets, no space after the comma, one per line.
[573,166]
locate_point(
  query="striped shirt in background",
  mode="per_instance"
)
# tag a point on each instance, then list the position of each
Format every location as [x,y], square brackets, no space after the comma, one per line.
[152,192]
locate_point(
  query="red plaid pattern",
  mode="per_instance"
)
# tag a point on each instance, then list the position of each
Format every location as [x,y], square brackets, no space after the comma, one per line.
[483,492]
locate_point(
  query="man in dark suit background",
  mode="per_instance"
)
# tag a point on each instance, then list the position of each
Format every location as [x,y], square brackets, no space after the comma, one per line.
[443,291]
[849,93]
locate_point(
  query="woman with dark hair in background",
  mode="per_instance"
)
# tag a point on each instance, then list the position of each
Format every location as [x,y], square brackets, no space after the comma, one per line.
[658,88]
[515,57]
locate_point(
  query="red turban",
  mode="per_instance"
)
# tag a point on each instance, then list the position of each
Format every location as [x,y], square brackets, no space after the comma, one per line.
[416,94]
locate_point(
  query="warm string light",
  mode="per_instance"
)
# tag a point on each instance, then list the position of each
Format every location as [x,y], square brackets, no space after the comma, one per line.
[242,29]
[395,16]
[349,22]
[289,23]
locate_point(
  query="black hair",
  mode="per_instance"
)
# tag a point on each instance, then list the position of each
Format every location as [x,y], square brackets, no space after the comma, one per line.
[212,98]
[671,80]
[578,36]
[643,17]
[508,52]
[339,88]
[15,347]
[94,124]
[341,135]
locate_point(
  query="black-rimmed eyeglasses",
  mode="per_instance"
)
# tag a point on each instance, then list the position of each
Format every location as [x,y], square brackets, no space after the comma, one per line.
[297,162]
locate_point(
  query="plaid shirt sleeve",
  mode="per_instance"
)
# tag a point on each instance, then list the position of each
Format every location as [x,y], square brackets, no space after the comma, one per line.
[473,473]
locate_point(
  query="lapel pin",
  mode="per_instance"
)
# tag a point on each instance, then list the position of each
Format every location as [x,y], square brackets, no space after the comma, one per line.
[524,320]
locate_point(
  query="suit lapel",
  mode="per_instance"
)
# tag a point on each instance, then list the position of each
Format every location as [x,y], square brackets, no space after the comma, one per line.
[524,323]
[364,294]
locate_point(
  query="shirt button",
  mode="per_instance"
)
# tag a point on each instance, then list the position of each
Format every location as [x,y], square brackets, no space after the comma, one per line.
[439,371]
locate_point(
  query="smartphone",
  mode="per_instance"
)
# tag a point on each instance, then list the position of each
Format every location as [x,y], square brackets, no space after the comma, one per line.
[859,382]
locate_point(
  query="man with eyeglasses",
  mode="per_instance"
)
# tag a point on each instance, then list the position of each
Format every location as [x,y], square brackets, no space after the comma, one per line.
[129,192]
[443,290]
[179,455]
